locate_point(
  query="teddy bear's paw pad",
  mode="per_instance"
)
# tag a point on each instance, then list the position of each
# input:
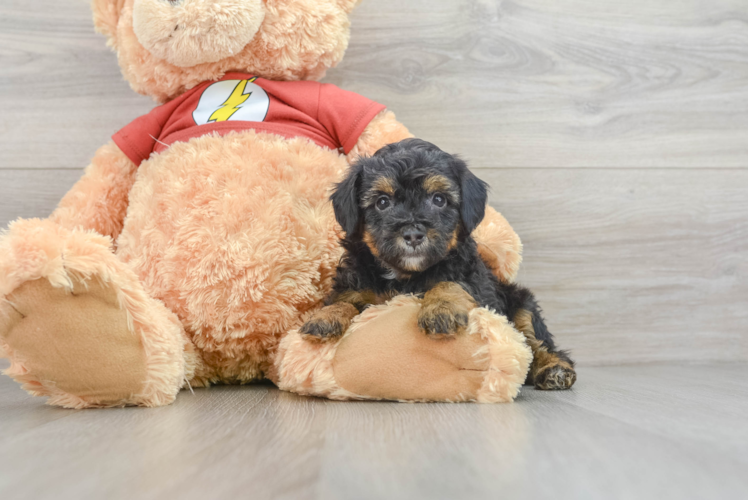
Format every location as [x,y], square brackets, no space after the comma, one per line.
[387,356]
[77,341]
[556,378]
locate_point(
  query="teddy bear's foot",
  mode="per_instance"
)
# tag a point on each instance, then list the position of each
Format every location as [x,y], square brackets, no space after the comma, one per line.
[385,355]
[78,326]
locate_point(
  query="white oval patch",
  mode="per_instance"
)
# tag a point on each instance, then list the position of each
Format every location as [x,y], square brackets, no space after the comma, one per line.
[232,100]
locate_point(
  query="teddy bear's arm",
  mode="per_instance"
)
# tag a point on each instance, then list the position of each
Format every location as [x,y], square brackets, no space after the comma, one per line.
[382,130]
[98,201]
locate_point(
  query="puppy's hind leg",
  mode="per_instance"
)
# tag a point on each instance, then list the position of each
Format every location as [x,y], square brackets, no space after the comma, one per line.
[551,369]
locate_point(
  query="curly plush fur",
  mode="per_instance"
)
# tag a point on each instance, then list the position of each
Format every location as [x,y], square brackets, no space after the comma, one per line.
[297,40]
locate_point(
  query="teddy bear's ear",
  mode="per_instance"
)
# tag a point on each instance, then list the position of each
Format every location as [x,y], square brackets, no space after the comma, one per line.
[348,5]
[106,16]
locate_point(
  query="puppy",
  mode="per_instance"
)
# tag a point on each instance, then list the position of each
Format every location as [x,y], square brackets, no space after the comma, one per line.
[407,213]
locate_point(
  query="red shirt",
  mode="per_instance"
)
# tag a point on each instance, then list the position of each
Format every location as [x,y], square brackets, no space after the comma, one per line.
[329,116]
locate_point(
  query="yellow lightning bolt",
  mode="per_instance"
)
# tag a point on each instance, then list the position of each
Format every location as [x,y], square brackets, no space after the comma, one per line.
[236,99]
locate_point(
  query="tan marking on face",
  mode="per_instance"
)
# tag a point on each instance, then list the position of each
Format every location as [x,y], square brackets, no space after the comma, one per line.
[440,184]
[369,240]
[433,234]
[436,183]
[453,242]
[384,185]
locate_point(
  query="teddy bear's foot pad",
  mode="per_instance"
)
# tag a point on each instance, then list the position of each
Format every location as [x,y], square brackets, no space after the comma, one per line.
[72,344]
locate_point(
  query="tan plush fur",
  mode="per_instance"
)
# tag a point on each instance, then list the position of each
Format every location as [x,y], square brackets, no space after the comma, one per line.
[297,40]
[35,249]
[383,129]
[499,246]
[509,356]
[211,251]
[236,235]
[99,200]
[196,31]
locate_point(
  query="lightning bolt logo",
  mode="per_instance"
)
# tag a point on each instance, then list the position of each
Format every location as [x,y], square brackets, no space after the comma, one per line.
[232,104]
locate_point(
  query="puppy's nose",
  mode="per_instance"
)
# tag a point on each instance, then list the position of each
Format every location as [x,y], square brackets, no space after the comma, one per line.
[413,237]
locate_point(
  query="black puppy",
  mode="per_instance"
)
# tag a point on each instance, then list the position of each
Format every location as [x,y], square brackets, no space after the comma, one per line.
[407,213]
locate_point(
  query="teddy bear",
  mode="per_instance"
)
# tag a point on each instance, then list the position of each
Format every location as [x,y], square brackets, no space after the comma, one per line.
[200,238]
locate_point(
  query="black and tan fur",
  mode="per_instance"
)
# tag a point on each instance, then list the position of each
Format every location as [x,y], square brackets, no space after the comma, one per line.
[408,212]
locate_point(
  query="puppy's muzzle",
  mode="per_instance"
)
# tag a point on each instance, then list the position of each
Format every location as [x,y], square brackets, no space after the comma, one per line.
[413,236]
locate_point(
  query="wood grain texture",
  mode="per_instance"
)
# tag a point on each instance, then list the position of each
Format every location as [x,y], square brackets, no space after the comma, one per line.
[61,90]
[33,192]
[645,432]
[521,83]
[634,265]
[580,83]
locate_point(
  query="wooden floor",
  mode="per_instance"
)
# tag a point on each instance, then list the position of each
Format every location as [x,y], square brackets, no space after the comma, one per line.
[639,432]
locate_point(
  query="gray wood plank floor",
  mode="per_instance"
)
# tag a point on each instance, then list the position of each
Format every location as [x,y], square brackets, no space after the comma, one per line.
[650,431]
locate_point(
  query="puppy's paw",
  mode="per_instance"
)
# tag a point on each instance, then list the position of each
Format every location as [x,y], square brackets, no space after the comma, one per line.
[322,328]
[329,322]
[442,319]
[555,378]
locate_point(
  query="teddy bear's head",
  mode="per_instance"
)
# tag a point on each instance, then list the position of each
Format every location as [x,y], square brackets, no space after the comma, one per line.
[168,46]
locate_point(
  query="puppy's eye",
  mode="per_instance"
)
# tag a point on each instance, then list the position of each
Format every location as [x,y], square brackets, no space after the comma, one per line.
[439,200]
[383,202]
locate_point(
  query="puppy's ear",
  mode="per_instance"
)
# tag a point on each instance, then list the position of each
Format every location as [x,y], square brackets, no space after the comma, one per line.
[345,201]
[474,197]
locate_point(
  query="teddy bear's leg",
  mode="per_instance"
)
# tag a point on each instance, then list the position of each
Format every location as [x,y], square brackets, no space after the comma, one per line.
[78,326]
[384,355]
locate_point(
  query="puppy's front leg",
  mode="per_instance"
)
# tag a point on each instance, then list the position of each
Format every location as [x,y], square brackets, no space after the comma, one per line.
[333,320]
[445,309]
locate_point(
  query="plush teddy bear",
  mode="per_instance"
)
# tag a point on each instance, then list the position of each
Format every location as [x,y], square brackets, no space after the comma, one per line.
[201,237]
